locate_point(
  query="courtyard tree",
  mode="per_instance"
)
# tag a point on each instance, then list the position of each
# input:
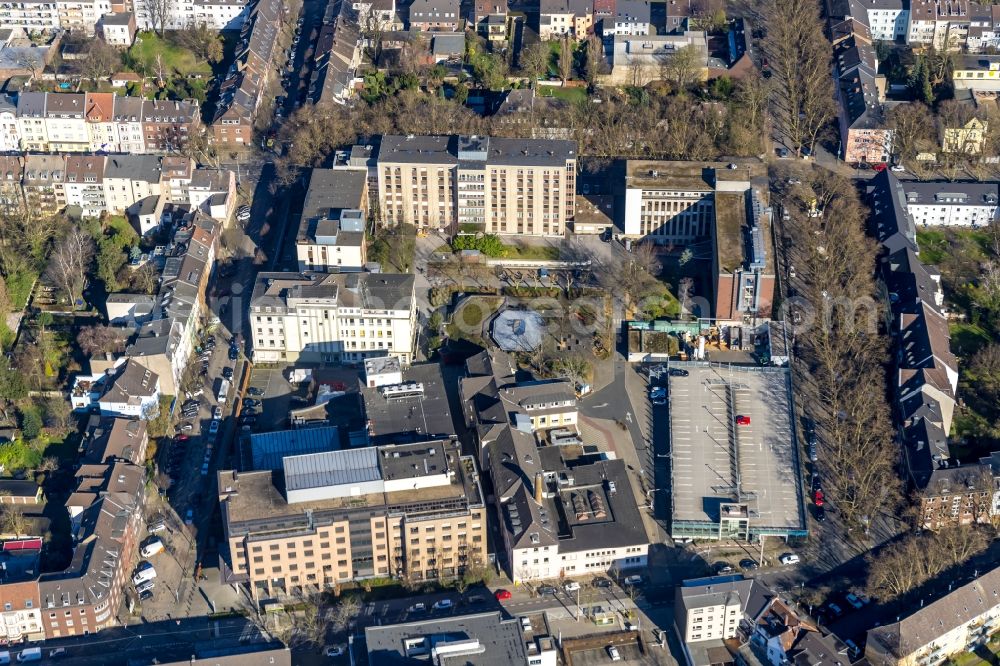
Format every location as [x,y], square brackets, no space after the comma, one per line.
[70,262]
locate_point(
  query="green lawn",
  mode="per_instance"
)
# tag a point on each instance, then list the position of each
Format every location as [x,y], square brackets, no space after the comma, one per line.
[577,94]
[148,45]
[932,244]
[967,339]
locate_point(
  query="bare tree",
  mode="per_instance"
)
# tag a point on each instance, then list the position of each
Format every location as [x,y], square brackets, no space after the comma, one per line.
[912,125]
[98,339]
[14,521]
[159,13]
[682,68]
[70,261]
[343,614]
[596,65]
[565,59]
[534,61]
[101,62]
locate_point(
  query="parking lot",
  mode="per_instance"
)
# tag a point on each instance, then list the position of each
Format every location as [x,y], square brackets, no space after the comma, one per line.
[278,397]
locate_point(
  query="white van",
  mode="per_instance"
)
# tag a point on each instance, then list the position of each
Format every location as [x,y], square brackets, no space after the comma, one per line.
[144,575]
[29,654]
[152,547]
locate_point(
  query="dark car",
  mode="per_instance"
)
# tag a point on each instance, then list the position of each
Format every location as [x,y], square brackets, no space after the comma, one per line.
[253,390]
[547,589]
[819,513]
[248,420]
[250,402]
[601,582]
[678,372]
[748,564]
[249,411]
[234,353]
[722,567]
[227,372]
[145,595]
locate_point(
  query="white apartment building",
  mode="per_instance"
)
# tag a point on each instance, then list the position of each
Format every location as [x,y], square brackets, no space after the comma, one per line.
[31,125]
[668,202]
[9,139]
[343,317]
[711,608]
[953,625]
[331,234]
[37,15]
[81,15]
[215,14]
[501,186]
[127,119]
[130,178]
[83,183]
[66,123]
[888,20]
[952,204]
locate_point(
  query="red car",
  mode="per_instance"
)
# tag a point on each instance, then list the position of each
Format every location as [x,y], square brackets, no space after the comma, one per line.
[743,420]
[818,497]
[502,595]
[878,168]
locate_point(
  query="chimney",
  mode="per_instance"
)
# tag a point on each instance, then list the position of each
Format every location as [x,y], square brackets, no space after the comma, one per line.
[539,486]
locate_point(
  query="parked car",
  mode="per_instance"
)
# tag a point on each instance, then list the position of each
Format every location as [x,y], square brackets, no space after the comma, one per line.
[145,595]
[571,586]
[250,411]
[722,568]
[547,589]
[820,514]
[443,604]
[334,651]
[601,582]
[217,412]
[789,558]
[678,372]
[189,516]
[836,610]
[227,372]
[897,168]
[181,438]
[145,587]
[158,526]
[748,564]
[250,402]
[151,547]
[253,390]
[417,608]
[213,427]
[657,392]
[854,601]
[502,595]
[634,579]
[743,420]
[57,653]
[614,653]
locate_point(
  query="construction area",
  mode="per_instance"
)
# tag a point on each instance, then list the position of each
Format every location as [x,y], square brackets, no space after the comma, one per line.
[734,467]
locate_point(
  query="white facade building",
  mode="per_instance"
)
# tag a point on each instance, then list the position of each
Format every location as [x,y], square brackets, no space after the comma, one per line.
[332,317]
[214,14]
[30,14]
[952,204]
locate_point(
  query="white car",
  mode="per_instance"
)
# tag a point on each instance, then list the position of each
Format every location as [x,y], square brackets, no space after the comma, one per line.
[151,547]
[897,168]
[143,587]
[789,558]
[614,653]
[444,604]
[243,216]
[213,427]
[572,586]
[633,580]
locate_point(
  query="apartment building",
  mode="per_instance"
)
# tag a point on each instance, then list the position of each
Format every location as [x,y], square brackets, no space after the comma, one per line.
[81,15]
[566,18]
[168,125]
[888,20]
[214,14]
[864,135]
[165,344]
[128,179]
[44,178]
[117,29]
[31,125]
[30,15]
[331,233]
[630,17]
[11,175]
[434,15]
[345,317]
[241,92]
[930,634]
[669,203]
[83,184]
[502,186]
[952,204]
[21,617]
[127,122]
[412,511]
[10,141]
[339,48]
[561,514]
[639,60]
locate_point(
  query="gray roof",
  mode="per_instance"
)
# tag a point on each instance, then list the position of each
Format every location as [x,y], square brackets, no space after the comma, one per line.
[495,150]
[134,167]
[359,290]
[270,448]
[752,596]
[330,191]
[410,419]
[491,640]
[448,43]
[117,18]
[894,227]
[951,193]
[331,468]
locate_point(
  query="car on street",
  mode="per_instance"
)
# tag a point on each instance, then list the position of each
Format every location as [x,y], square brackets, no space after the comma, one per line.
[748,564]
[253,390]
[334,651]
[443,604]
[634,579]
[743,420]
[722,568]
[614,653]
[145,595]
[897,168]
[189,516]
[572,586]
[217,412]
[417,608]
[601,582]
[547,589]
[502,595]
[854,601]
[227,372]
[836,610]
[57,653]
[213,427]
[789,558]
[678,372]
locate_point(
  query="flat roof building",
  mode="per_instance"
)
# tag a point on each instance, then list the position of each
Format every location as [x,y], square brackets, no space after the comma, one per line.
[733,478]
[483,639]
